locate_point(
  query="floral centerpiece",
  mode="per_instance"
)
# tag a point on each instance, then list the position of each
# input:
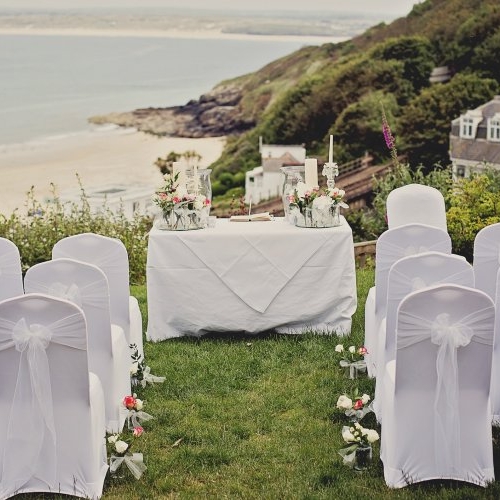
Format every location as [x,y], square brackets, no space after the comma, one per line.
[353,359]
[313,207]
[119,449]
[358,449]
[356,406]
[181,210]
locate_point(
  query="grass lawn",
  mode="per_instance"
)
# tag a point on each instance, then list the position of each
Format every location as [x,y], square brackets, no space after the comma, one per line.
[257,420]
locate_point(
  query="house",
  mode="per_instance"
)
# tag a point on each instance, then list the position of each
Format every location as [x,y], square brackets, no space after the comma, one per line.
[265,182]
[475,139]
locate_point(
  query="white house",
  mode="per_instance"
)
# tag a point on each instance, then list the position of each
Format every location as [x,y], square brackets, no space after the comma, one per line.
[475,139]
[265,182]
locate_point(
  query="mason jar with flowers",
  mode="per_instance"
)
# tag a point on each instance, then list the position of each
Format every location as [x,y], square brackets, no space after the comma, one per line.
[358,450]
[181,210]
[312,207]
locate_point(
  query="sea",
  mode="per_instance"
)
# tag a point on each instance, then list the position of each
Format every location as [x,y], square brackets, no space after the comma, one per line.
[51,84]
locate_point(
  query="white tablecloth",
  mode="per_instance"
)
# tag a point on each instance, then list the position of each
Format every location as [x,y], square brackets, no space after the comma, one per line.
[250,277]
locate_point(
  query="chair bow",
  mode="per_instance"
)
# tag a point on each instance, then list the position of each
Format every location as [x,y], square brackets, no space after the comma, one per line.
[448,336]
[413,250]
[31,422]
[134,462]
[71,292]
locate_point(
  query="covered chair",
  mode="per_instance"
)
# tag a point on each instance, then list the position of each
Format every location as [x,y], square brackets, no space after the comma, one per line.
[408,275]
[391,246]
[437,416]
[108,351]
[53,438]
[495,371]
[487,259]
[11,278]
[110,255]
[416,203]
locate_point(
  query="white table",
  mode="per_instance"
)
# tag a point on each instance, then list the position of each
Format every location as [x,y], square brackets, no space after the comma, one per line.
[250,277]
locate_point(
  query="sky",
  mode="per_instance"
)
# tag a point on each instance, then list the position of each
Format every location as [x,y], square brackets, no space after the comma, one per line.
[395,8]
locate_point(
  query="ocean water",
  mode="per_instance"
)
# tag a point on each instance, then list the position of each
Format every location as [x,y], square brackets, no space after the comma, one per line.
[50,85]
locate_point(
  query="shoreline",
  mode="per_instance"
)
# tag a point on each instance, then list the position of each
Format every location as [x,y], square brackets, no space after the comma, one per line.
[100,158]
[173,33]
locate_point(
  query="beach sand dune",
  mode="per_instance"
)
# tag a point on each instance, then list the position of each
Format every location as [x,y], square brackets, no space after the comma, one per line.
[100,158]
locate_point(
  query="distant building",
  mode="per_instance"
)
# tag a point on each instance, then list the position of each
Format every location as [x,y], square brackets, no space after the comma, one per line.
[264,182]
[130,200]
[475,139]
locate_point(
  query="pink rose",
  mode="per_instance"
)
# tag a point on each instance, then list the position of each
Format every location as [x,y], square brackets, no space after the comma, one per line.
[206,202]
[363,351]
[358,405]
[129,402]
[176,199]
[138,431]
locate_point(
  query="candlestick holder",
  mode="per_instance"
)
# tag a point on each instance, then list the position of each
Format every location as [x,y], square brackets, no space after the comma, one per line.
[330,171]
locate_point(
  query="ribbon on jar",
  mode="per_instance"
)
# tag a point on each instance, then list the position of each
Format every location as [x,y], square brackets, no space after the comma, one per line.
[134,418]
[354,367]
[134,462]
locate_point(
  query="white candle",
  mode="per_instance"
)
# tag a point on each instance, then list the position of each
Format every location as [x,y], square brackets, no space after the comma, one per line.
[179,167]
[311,172]
[330,152]
[195,179]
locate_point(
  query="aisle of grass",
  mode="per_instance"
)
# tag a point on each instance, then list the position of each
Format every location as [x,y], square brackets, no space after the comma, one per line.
[257,420]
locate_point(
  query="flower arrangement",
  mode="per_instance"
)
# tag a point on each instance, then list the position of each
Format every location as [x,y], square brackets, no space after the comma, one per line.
[119,447]
[181,210]
[356,406]
[357,438]
[353,359]
[140,373]
[135,415]
[319,206]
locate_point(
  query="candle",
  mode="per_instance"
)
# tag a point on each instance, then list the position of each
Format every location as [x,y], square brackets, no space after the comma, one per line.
[195,179]
[330,152]
[179,168]
[311,172]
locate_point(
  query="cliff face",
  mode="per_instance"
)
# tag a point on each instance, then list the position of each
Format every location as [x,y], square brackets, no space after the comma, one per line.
[214,114]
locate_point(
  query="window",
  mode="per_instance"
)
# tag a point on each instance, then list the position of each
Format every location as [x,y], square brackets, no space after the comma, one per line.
[494,128]
[467,128]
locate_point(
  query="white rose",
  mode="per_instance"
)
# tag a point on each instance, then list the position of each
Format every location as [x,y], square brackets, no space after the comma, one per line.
[347,435]
[133,368]
[371,435]
[112,439]
[121,446]
[138,404]
[341,193]
[352,349]
[365,398]
[339,348]
[322,203]
[344,403]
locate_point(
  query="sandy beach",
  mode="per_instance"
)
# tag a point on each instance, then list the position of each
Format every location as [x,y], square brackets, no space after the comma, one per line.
[100,158]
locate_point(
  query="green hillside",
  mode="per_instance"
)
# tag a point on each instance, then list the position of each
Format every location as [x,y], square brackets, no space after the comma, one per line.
[339,88]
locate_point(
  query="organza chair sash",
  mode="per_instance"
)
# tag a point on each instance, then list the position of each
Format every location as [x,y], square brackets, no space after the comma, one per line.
[31,439]
[95,294]
[448,336]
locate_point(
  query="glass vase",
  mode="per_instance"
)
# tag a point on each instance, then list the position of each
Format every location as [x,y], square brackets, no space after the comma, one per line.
[363,457]
[291,175]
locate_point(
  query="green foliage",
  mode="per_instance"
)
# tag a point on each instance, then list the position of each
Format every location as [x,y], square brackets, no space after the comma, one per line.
[474,204]
[369,224]
[426,121]
[36,234]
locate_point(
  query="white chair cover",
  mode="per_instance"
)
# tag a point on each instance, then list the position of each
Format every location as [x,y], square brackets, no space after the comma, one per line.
[408,275]
[108,350]
[11,281]
[393,245]
[487,259]
[416,203]
[437,420]
[110,255]
[53,440]
[495,370]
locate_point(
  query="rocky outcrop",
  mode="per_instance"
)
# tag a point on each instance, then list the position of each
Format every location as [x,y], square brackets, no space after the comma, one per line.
[214,114]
